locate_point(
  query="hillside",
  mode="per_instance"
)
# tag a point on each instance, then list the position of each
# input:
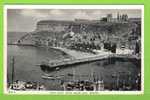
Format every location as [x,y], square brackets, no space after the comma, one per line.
[40,36]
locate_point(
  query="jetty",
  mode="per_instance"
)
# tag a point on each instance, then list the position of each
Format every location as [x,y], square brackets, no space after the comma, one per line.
[20,44]
[57,64]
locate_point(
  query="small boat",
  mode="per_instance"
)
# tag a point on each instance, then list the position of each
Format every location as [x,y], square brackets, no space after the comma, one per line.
[57,68]
[69,74]
[18,85]
[26,86]
[51,77]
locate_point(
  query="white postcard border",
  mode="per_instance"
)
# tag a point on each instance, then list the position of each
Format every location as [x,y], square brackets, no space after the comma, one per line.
[141,7]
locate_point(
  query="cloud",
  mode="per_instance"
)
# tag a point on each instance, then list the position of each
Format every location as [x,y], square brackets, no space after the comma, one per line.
[60,14]
[72,14]
[85,14]
[33,13]
[47,14]
[56,12]
[81,14]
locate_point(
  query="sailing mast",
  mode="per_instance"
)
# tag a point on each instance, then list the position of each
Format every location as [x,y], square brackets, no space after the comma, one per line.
[73,74]
[13,69]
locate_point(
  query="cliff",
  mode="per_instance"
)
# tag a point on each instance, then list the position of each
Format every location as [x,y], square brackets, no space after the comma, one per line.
[51,30]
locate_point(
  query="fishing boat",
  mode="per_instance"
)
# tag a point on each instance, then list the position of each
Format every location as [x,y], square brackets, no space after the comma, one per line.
[83,85]
[51,77]
[18,85]
[26,86]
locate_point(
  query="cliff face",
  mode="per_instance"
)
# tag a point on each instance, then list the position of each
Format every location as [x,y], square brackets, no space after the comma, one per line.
[87,26]
[51,30]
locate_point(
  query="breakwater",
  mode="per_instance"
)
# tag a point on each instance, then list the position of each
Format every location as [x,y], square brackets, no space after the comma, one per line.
[55,64]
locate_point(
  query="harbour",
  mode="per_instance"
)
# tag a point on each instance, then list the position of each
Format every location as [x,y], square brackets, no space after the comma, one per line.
[66,74]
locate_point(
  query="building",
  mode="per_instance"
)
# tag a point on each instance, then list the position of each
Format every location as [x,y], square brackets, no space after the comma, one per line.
[122,17]
[109,18]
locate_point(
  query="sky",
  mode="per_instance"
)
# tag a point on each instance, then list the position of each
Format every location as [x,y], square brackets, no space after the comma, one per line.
[24,20]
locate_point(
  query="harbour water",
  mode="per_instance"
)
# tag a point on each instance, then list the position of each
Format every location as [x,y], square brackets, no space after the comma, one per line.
[111,71]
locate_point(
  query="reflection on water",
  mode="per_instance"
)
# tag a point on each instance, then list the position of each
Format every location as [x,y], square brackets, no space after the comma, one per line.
[27,58]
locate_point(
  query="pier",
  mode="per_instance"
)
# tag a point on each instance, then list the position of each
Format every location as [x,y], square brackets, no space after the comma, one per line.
[20,44]
[56,64]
